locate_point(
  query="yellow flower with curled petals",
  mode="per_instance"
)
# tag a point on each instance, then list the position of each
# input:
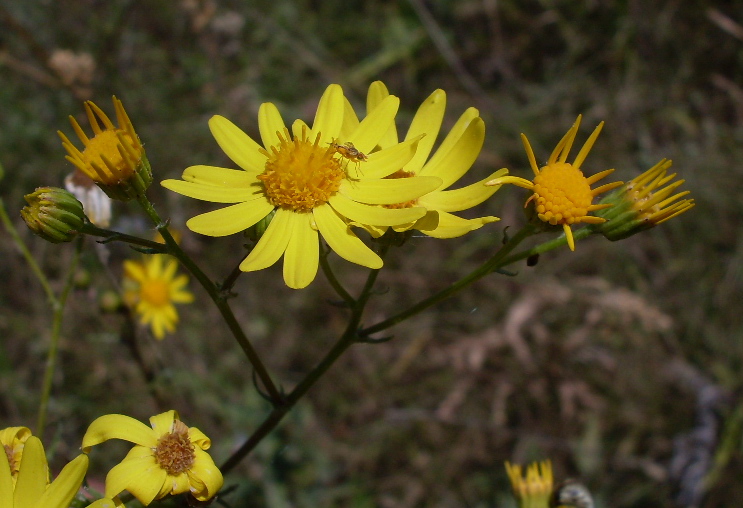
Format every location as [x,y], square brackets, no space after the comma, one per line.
[13,440]
[314,191]
[534,489]
[562,195]
[169,457]
[453,158]
[32,488]
[151,288]
[114,157]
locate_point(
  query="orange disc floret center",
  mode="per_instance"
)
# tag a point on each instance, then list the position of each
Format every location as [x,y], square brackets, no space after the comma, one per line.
[401,173]
[301,175]
[155,292]
[562,194]
[106,144]
[175,452]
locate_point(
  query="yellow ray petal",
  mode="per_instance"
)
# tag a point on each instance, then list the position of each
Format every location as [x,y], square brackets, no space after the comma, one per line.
[142,477]
[389,191]
[270,124]
[302,255]
[65,486]
[374,215]
[272,244]
[385,162]
[33,474]
[213,193]
[238,146]
[329,115]
[427,122]
[6,482]
[462,123]
[451,226]
[342,240]
[223,177]
[464,198]
[371,129]
[450,166]
[231,219]
[569,236]
[208,475]
[116,426]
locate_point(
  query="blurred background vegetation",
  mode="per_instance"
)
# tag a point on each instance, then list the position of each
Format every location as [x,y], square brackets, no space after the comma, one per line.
[620,362]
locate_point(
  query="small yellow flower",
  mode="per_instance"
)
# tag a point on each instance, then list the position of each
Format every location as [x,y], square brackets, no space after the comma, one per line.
[300,174]
[643,203]
[32,488]
[535,488]
[453,158]
[561,194]
[151,287]
[169,458]
[13,440]
[114,158]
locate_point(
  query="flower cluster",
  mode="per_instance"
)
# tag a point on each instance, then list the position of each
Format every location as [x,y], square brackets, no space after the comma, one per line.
[169,458]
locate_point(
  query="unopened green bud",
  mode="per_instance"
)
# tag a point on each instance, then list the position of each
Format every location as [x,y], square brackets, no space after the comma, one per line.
[54,214]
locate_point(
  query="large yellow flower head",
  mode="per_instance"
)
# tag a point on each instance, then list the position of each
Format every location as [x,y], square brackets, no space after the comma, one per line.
[562,195]
[114,157]
[317,180]
[169,458]
[454,157]
[151,287]
[534,489]
[32,488]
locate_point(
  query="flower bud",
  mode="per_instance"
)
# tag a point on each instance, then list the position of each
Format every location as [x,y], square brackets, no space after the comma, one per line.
[643,203]
[54,214]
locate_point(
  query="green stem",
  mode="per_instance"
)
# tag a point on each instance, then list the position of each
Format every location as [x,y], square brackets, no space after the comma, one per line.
[13,232]
[51,357]
[349,337]
[115,236]
[219,299]
[547,246]
[333,280]
[492,264]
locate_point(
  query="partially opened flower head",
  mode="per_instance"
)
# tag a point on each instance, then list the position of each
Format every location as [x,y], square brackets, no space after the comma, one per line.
[169,457]
[114,157]
[32,488]
[453,158]
[533,489]
[562,195]
[644,202]
[314,189]
[14,440]
[152,287]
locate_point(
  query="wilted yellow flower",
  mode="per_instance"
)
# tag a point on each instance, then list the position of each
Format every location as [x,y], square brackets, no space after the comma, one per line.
[114,158]
[169,458]
[32,488]
[643,203]
[151,287]
[301,174]
[561,194]
[13,440]
[453,158]
[535,488]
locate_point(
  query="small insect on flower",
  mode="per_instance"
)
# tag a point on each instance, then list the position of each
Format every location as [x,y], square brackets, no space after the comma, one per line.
[351,153]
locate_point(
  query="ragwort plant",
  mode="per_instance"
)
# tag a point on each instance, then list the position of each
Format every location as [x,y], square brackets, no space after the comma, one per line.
[301,192]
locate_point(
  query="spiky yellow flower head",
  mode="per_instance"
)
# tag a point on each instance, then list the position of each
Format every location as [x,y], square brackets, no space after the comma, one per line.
[535,488]
[151,287]
[562,195]
[450,162]
[32,488]
[114,158]
[317,180]
[169,458]
[643,203]
[53,214]
[13,440]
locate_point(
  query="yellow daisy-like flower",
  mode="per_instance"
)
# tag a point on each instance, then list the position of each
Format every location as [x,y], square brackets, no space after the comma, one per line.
[169,458]
[32,488]
[151,287]
[534,489]
[454,157]
[303,177]
[644,202]
[114,158]
[562,195]
[13,440]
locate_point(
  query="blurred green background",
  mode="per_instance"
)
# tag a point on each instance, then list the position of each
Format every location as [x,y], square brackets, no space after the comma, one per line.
[620,362]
